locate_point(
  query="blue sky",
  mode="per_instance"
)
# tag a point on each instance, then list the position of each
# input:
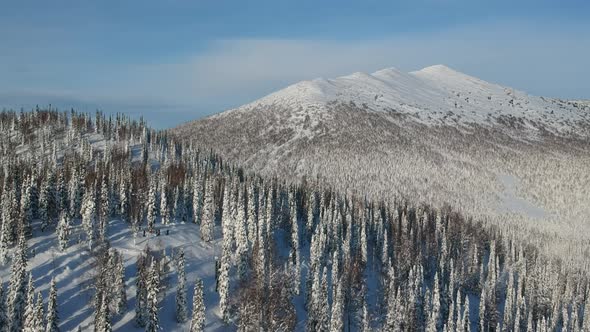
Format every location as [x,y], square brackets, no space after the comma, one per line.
[179,60]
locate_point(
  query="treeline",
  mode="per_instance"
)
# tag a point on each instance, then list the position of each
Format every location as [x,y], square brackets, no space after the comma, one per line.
[350,263]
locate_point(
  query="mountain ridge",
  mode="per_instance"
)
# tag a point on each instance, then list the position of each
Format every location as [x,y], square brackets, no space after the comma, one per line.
[434,95]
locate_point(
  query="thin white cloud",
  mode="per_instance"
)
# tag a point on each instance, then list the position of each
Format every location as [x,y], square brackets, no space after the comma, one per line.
[547,60]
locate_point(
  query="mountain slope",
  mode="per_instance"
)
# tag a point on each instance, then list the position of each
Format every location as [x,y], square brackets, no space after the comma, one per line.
[434,135]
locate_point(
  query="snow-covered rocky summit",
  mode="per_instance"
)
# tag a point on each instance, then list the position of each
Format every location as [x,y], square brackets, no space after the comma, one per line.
[435,95]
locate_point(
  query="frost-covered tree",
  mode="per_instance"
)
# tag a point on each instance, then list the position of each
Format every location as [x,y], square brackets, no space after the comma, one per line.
[4,322]
[18,292]
[586,319]
[224,280]
[63,230]
[89,216]
[119,290]
[466,315]
[181,305]
[102,316]
[151,207]
[124,200]
[141,304]
[47,201]
[164,206]
[365,318]
[337,315]
[27,208]
[52,312]
[323,305]
[208,219]
[5,236]
[28,323]
[153,290]
[37,323]
[482,311]
[434,321]
[198,316]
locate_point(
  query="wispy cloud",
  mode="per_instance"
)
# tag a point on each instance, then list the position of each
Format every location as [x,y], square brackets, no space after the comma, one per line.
[548,60]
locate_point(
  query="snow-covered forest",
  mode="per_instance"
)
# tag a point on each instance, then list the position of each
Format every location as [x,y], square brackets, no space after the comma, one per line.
[107,224]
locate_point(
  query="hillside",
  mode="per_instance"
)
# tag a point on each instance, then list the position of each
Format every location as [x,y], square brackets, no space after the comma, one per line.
[110,225]
[435,135]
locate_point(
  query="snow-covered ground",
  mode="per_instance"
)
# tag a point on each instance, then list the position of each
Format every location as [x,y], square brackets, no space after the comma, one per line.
[74,274]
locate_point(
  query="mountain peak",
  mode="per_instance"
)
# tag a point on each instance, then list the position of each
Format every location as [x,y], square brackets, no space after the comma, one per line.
[440,68]
[441,71]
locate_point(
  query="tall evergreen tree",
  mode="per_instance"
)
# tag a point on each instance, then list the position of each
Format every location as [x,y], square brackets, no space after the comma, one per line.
[89,216]
[63,229]
[337,315]
[4,322]
[29,322]
[198,316]
[38,315]
[224,280]
[153,290]
[52,312]
[18,295]
[151,207]
[208,219]
[181,305]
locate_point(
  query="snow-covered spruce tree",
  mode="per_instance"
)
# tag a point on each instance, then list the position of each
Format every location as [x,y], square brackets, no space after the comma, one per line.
[26,208]
[392,318]
[208,219]
[335,274]
[151,207]
[141,313]
[337,315]
[198,316]
[482,311]
[323,306]
[119,291]
[124,199]
[164,205]
[47,202]
[586,317]
[18,281]
[179,206]
[102,319]
[38,315]
[52,312]
[4,322]
[89,216]
[63,230]
[365,318]
[62,195]
[106,200]
[224,280]
[466,315]
[28,323]
[5,236]
[295,251]
[241,238]
[153,291]
[197,184]
[181,302]
[252,209]
[435,323]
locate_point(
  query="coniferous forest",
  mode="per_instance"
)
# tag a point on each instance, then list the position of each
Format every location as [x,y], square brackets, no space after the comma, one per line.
[108,224]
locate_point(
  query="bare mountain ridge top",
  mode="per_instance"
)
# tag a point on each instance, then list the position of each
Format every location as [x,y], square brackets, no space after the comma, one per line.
[435,95]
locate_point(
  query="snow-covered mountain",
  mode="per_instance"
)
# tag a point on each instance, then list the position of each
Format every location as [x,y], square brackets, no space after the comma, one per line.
[435,95]
[434,135]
